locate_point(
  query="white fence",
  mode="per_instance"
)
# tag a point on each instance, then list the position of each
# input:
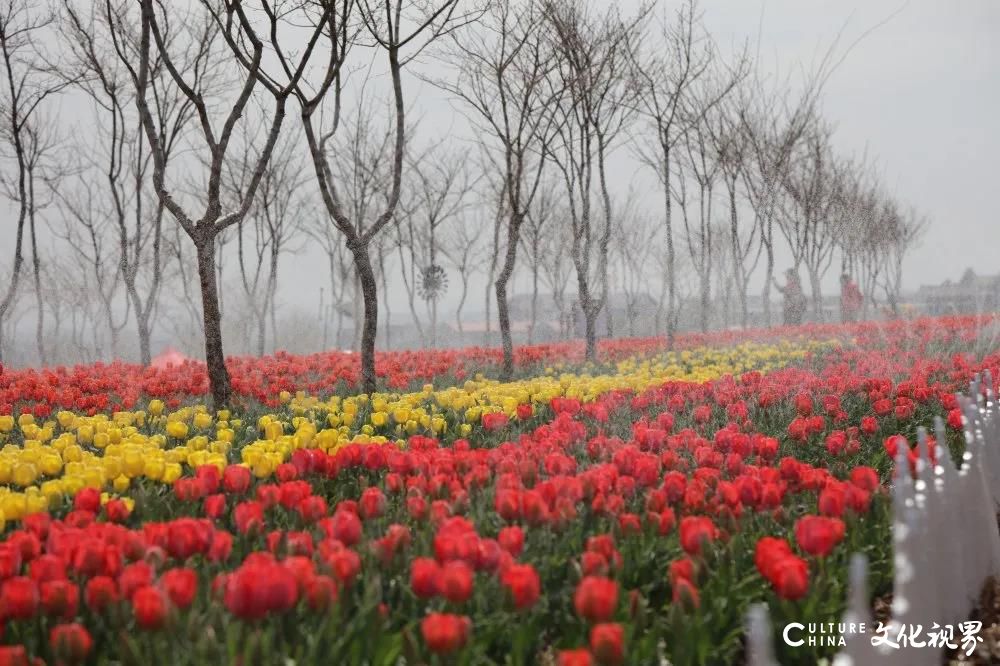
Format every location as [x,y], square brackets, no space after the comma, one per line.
[946,544]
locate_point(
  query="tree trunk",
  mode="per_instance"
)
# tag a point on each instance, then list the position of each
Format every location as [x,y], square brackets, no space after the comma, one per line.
[590,334]
[461,304]
[765,294]
[489,277]
[817,294]
[671,254]
[534,298]
[608,316]
[218,375]
[410,285]
[503,316]
[744,305]
[385,300]
[145,351]
[434,323]
[261,333]
[704,302]
[358,310]
[272,290]
[589,317]
[739,270]
[658,318]
[36,268]
[369,329]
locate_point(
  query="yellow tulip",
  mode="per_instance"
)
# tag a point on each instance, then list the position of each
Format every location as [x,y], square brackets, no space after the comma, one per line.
[177,429]
[172,472]
[153,468]
[14,506]
[24,474]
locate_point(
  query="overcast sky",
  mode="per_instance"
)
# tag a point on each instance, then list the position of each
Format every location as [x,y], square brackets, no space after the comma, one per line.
[919,94]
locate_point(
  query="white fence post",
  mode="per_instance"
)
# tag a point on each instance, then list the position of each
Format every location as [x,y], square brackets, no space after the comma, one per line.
[760,650]
[945,537]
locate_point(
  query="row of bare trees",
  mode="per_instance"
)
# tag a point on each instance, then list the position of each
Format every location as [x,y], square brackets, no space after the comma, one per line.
[221,137]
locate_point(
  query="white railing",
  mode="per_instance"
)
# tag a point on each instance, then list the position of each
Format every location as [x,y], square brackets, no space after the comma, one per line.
[945,542]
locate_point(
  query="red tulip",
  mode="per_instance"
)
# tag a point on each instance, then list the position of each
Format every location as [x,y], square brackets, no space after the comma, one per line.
[236,479]
[607,642]
[181,585]
[100,593]
[596,598]
[695,530]
[512,539]
[88,499]
[445,633]
[524,584]
[681,568]
[685,593]
[344,526]
[321,594]
[214,506]
[60,598]
[150,608]
[18,598]
[372,504]
[817,535]
[791,578]
[455,581]
[70,643]
[424,573]
[578,657]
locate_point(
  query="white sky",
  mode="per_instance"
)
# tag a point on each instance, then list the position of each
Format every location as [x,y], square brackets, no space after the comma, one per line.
[919,94]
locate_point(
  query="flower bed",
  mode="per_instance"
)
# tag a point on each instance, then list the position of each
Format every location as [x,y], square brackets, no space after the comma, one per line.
[626,513]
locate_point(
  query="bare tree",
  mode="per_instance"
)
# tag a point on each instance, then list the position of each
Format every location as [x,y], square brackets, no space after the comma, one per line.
[340,272]
[498,203]
[700,234]
[743,249]
[538,226]
[633,243]
[557,268]
[396,28]
[813,182]
[772,126]
[118,165]
[85,233]
[407,244]
[899,232]
[668,75]
[596,54]
[233,24]
[441,187]
[503,77]
[464,248]
[861,206]
[265,234]
[29,136]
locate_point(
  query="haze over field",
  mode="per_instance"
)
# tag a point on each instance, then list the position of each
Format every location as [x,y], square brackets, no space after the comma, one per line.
[905,90]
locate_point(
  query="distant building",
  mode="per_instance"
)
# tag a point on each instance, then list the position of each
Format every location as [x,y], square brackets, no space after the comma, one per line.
[972,293]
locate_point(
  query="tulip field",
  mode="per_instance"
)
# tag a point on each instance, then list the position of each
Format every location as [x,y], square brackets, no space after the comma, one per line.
[623,512]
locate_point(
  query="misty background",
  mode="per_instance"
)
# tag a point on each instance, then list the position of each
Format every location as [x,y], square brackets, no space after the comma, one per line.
[910,93]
